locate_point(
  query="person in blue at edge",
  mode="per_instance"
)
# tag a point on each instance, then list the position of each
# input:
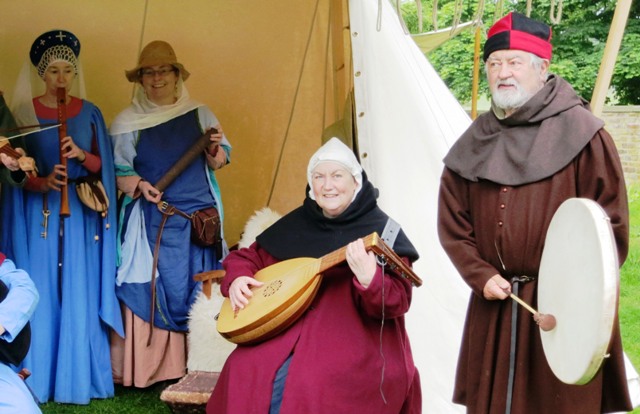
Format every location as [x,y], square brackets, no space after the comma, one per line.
[149,137]
[73,269]
[18,300]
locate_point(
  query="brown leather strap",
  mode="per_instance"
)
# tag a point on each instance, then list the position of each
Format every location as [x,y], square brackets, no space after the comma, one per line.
[24,373]
[166,210]
[99,196]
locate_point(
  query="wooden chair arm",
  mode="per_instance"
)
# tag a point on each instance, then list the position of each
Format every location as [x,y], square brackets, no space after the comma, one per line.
[208,278]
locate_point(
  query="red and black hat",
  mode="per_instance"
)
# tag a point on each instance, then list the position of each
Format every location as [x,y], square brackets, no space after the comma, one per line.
[517,31]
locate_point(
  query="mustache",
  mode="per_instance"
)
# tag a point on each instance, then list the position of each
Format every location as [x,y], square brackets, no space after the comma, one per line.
[508,82]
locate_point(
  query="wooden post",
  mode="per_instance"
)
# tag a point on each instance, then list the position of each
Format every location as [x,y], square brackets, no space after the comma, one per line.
[476,74]
[611,49]
[340,76]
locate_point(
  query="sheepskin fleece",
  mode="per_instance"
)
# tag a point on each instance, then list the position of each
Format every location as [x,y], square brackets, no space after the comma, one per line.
[256,224]
[208,350]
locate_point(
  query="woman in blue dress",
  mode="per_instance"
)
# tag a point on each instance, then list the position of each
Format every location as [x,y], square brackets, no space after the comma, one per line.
[149,137]
[72,260]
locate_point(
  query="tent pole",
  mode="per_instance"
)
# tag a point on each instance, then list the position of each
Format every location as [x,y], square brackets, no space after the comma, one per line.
[611,49]
[338,58]
[476,75]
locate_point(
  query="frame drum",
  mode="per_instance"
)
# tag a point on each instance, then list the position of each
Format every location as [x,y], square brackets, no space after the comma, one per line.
[578,284]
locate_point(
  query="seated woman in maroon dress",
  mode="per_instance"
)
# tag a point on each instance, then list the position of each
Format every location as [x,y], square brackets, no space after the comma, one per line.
[349,352]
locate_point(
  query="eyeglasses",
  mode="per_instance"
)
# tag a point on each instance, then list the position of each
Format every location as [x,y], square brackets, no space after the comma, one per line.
[152,73]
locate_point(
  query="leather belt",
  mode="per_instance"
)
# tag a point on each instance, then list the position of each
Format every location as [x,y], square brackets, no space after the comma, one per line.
[516,281]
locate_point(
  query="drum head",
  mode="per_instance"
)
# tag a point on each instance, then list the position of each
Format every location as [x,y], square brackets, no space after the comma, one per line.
[578,284]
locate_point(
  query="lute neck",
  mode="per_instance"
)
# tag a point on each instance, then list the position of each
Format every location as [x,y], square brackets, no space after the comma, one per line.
[338,256]
[375,243]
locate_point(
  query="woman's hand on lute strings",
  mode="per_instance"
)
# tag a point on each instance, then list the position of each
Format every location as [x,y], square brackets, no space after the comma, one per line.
[240,291]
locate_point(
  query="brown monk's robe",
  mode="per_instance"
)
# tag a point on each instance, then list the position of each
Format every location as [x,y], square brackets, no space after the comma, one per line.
[472,216]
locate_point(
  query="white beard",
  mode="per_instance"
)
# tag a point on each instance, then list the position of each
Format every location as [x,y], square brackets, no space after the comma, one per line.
[510,99]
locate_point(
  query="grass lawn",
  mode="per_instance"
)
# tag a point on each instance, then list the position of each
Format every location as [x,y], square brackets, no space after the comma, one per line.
[135,401]
[127,401]
[630,286]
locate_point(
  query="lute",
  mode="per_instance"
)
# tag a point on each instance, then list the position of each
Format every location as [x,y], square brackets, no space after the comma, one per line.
[288,290]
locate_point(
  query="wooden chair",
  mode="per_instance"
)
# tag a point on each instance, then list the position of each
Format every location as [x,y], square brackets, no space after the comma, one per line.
[207,348]
[191,393]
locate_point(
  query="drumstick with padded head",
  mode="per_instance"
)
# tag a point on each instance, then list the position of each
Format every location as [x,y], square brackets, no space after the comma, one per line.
[546,322]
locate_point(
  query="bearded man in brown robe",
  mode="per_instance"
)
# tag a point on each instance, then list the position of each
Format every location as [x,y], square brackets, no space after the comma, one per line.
[503,180]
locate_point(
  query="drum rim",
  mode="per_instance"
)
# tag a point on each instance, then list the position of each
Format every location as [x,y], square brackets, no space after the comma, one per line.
[609,284]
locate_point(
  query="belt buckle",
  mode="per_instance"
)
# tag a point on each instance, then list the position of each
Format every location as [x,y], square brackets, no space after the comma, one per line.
[166,208]
[522,279]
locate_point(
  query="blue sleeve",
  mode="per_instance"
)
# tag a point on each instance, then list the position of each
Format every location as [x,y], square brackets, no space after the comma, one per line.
[21,301]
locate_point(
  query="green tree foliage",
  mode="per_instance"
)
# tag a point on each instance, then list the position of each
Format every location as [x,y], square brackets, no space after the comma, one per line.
[578,44]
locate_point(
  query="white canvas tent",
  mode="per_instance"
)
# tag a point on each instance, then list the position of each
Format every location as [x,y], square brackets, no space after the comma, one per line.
[407,119]
[431,40]
[277,73]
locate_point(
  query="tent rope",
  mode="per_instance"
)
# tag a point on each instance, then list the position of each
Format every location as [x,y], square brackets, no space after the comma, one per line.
[402,22]
[142,30]
[398,13]
[476,59]
[293,105]
[457,15]
[555,15]
[419,11]
[143,26]
[479,13]
[498,11]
